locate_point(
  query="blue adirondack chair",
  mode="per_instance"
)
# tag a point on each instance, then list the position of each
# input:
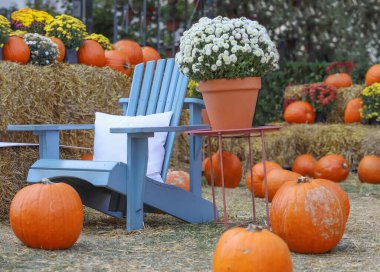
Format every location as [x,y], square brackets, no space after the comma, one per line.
[116,188]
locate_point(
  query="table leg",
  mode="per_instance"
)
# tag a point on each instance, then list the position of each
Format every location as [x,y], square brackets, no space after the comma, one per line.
[251,176]
[264,158]
[212,177]
[222,176]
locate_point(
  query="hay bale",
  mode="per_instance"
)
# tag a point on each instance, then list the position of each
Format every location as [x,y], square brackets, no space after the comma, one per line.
[14,165]
[59,94]
[294,92]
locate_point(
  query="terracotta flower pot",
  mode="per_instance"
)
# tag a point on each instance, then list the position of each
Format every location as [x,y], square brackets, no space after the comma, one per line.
[230,103]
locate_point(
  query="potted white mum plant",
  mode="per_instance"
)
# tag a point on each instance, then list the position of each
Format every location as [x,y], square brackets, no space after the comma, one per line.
[228,57]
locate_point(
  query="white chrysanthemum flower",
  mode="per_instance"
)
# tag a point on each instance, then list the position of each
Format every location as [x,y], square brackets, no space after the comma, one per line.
[215,48]
[218,63]
[214,67]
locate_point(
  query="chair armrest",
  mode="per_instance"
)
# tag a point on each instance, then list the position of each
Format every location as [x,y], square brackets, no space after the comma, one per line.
[49,127]
[151,130]
[48,136]
[193,101]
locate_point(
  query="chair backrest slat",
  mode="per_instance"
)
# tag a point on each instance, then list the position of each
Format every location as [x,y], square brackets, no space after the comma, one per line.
[165,85]
[146,88]
[160,69]
[135,90]
[159,88]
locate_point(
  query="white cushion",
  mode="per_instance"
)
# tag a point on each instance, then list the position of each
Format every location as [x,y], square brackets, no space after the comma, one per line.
[113,146]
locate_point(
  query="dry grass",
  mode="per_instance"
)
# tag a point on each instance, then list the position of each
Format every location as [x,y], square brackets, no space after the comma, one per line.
[167,244]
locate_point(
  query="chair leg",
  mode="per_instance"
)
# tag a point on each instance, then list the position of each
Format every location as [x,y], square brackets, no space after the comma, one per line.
[136,175]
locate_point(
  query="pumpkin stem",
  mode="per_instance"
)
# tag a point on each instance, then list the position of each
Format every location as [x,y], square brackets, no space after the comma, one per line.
[46,181]
[254,228]
[303,179]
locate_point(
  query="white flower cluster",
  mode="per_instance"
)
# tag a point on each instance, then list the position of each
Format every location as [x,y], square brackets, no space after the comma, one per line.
[43,51]
[226,48]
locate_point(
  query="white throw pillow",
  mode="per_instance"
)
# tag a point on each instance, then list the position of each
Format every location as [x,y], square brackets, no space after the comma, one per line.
[113,146]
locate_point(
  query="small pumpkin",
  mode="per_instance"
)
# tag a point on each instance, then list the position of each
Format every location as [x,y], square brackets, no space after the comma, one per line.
[16,50]
[131,49]
[351,112]
[304,164]
[251,249]
[117,60]
[149,53]
[91,53]
[47,215]
[299,112]
[339,80]
[369,169]
[232,170]
[373,74]
[332,167]
[258,176]
[276,178]
[179,178]
[308,215]
[61,48]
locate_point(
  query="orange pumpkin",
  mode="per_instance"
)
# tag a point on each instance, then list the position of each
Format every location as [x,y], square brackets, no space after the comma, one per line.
[332,167]
[276,178]
[91,53]
[341,195]
[149,53]
[88,157]
[369,169]
[179,178]
[258,176]
[132,49]
[61,48]
[299,112]
[373,74]
[304,164]
[47,215]
[16,50]
[117,60]
[351,112]
[251,249]
[308,215]
[232,170]
[339,80]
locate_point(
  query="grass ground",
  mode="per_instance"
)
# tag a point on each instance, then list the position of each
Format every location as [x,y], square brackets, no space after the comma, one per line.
[167,244]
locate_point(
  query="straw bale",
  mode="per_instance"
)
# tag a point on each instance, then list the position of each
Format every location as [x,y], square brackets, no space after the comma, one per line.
[14,165]
[59,94]
[337,112]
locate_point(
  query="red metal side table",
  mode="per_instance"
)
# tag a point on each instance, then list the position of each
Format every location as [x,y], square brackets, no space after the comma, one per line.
[237,133]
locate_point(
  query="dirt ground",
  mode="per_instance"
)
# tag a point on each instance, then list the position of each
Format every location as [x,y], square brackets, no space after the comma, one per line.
[167,244]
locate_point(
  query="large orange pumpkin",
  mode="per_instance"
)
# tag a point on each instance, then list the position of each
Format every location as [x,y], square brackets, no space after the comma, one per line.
[373,74]
[118,61]
[16,50]
[232,170]
[304,164]
[61,48]
[252,249]
[132,49]
[276,178]
[339,80]
[369,169]
[91,53]
[179,178]
[258,176]
[299,112]
[341,195]
[149,53]
[308,215]
[351,112]
[332,167]
[47,215]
